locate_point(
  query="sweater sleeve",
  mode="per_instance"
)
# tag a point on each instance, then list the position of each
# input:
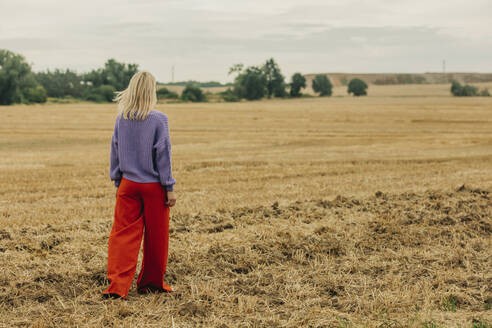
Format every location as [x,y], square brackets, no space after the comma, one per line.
[114,170]
[163,155]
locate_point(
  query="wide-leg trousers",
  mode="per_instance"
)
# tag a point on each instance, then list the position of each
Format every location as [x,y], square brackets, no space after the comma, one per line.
[140,210]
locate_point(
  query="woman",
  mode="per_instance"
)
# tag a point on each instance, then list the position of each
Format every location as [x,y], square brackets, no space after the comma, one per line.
[141,171]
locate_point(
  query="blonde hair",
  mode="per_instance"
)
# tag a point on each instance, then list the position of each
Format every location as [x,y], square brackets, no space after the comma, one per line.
[138,99]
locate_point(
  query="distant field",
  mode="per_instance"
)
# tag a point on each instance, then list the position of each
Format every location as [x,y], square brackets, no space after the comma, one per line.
[408,90]
[315,212]
[179,89]
[339,79]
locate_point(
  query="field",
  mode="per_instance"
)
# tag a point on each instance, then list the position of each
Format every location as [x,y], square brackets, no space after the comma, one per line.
[317,212]
[409,90]
[339,79]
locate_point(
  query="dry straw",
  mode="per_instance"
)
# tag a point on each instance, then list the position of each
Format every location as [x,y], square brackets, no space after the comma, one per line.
[279,222]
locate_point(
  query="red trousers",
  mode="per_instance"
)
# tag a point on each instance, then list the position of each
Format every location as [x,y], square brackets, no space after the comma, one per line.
[139,207]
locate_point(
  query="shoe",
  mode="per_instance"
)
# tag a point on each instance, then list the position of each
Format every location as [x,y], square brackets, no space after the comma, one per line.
[111,295]
[165,289]
[142,291]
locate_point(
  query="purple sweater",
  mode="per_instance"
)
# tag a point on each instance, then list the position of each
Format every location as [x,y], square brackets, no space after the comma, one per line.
[141,151]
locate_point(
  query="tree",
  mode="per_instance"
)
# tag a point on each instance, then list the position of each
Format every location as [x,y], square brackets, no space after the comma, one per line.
[236,68]
[101,83]
[114,73]
[119,74]
[255,82]
[357,87]
[250,83]
[322,85]
[298,82]
[229,96]
[193,93]
[59,83]
[95,78]
[275,81]
[16,78]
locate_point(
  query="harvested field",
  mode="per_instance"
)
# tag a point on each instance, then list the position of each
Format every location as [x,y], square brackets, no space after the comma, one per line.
[336,212]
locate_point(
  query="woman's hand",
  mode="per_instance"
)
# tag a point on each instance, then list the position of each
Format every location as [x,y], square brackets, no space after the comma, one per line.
[116,193]
[171,199]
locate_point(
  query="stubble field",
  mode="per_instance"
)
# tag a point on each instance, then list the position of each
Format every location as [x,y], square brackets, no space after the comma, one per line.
[317,212]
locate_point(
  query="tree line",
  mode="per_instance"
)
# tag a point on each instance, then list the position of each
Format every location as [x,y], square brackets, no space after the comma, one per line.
[267,81]
[19,84]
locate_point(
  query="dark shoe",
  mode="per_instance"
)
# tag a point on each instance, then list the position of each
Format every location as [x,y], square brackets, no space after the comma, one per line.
[111,295]
[165,289]
[142,291]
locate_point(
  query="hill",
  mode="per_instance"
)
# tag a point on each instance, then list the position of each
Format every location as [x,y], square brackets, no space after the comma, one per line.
[339,79]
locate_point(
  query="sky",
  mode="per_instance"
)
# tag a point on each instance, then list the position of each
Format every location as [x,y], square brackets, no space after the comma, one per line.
[202,39]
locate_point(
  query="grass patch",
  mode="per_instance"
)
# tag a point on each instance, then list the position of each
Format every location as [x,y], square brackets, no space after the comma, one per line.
[430,324]
[449,303]
[480,324]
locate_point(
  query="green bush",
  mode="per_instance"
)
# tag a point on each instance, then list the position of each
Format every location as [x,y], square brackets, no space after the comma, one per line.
[456,88]
[469,91]
[93,96]
[484,93]
[164,93]
[357,87]
[322,85]
[298,82]
[36,95]
[229,96]
[103,93]
[107,92]
[466,90]
[193,93]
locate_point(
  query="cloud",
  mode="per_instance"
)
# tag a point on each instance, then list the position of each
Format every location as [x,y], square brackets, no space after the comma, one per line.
[203,38]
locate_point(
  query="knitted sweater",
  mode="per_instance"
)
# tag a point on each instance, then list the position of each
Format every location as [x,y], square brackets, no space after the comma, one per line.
[141,151]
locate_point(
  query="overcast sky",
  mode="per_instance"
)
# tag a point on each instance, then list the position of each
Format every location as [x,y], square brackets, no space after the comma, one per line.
[203,38]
